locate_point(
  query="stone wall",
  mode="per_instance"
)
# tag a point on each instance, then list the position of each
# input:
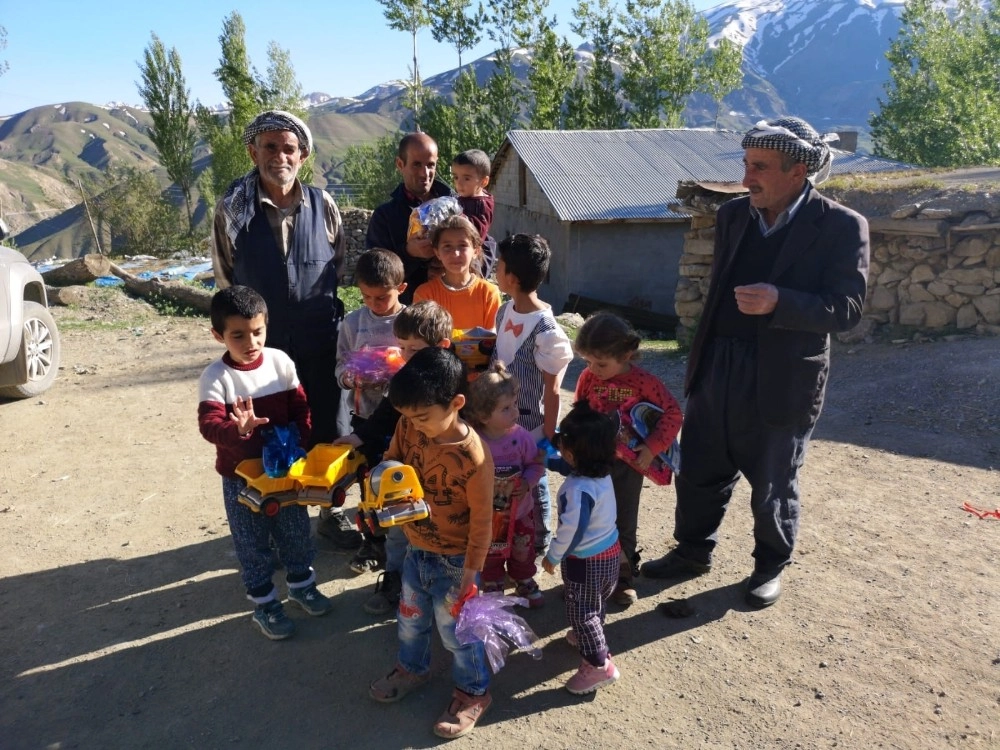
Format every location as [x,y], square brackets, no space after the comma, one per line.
[355,227]
[935,265]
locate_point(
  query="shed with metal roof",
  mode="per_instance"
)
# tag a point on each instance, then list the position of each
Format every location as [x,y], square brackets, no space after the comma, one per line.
[606,202]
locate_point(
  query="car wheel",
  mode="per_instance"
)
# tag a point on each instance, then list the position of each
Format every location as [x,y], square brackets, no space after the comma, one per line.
[40,348]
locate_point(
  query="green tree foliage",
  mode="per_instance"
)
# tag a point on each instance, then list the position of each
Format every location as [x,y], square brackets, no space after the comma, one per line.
[457,23]
[224,133]
[410,16]
[597,107]
[942,105]
[663,49]
[140,218]
[723,74]
[166,96]
[552,73]
[371,169]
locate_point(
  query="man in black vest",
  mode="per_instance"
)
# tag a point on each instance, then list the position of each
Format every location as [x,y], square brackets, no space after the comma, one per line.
[286,240]
[790,268]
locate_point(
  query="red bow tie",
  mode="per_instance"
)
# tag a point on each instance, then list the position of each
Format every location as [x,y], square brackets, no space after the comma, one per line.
[515,328]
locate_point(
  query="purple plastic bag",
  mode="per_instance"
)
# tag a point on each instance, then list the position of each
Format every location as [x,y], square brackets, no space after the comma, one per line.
[486,618]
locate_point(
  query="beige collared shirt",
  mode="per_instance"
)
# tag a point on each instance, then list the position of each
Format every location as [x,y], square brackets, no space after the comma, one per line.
[282,222]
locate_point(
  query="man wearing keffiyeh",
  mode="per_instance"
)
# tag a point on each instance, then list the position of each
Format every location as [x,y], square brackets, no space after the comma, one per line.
[790,268]
[286,240]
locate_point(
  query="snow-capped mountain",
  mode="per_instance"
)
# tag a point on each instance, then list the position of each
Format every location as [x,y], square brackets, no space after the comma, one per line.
[825,59]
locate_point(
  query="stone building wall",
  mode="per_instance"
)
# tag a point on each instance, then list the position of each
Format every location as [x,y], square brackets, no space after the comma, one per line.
[934,266]
[355,227]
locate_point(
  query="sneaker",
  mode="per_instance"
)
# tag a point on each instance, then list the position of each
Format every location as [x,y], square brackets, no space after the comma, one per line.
[272,621]
[369,558]
[310,599]
[388,587]
[571,638]
[530,591]
[491,587]
[337,527]
[588,677]
[396,685]
[624,595]
[462,714]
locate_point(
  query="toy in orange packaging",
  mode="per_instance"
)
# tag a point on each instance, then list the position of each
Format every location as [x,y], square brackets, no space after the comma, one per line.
[637,420]
[428,215]
[474,346]
[392,496]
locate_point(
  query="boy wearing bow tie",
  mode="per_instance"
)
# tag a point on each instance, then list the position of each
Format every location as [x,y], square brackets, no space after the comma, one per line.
[534,348]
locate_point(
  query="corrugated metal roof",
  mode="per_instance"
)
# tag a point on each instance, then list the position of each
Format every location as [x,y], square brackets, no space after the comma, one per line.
[622,175]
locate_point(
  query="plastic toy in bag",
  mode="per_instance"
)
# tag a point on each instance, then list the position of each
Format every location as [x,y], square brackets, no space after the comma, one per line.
[489,619]
[281,449]
[372,366]
[428,215]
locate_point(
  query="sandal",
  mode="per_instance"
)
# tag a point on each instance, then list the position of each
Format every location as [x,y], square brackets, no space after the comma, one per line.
[396,685]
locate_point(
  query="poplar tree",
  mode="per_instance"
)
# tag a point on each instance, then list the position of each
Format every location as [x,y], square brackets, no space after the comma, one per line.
[597,107]
[165,94]
[410,16]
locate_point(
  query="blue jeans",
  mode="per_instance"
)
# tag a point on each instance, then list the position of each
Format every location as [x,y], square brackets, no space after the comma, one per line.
[427,579]
[395,549]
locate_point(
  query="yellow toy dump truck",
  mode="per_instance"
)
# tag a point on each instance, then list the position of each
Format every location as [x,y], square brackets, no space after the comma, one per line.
[474,347]
[321,478]
[392,496]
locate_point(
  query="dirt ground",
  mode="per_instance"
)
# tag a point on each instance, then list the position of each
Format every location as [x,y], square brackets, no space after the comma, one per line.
[124,623]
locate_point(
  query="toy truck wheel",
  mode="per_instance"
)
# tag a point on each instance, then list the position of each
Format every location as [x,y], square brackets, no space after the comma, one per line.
[338,497]
[270,508]
[486,346]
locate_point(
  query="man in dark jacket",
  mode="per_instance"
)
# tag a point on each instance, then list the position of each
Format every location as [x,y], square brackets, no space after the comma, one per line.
[416,160]
[790,268]
[286,240]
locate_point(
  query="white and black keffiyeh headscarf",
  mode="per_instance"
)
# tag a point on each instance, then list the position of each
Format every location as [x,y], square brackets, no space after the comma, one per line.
[797,138]
[240,201]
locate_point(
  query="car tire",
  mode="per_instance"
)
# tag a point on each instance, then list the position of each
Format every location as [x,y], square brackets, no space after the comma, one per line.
[40,346]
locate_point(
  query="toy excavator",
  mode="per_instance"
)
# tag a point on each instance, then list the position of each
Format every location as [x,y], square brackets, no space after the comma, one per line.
[391,496]
[321,478]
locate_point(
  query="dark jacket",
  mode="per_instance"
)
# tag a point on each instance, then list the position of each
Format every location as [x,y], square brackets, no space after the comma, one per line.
[301,289]
[388,227]
[821,273]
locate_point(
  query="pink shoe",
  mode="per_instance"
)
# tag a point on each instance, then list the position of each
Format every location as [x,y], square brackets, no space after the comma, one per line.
[588,677]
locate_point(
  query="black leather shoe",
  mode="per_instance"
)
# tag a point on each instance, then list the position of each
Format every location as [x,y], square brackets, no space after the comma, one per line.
[763,592]
[672,565]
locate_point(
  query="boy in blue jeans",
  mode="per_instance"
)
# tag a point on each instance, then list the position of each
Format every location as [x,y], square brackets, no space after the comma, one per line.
[535,349]
[250,387]
[446,550]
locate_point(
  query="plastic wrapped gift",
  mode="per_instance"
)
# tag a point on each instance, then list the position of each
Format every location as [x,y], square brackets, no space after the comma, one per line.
[371,366]
[281,449]
[428,215]
[488,618]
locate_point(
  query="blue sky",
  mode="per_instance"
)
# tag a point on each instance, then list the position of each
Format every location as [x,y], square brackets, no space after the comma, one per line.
[65,50]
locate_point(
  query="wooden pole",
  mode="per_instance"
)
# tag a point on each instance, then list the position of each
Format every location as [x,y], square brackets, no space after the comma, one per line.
[93,229]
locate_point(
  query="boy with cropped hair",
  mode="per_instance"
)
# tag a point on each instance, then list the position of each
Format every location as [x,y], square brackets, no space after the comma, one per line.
[447,550]
[535,349]
[249,387]
[470,171]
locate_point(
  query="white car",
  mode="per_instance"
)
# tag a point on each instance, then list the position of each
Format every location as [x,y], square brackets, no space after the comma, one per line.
[29,341]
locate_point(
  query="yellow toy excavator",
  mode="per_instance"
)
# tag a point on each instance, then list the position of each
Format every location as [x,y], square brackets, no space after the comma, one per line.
[391,496]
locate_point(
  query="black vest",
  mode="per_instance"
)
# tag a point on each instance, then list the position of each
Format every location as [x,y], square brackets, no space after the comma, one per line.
[300,290]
